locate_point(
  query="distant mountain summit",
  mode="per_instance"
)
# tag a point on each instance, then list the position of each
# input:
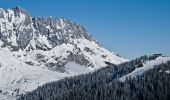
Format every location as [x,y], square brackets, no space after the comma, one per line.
[37,50]
[26,28]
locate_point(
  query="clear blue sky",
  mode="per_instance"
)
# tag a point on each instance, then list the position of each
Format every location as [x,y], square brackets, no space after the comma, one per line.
[129,27]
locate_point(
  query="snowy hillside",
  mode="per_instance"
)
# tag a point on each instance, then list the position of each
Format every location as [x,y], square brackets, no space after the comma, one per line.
[146,66]
[16,74]
[35,50]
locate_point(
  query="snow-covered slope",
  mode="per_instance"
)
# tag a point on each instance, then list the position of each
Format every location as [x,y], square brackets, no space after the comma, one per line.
[146,66]
[35,50]
[18,77]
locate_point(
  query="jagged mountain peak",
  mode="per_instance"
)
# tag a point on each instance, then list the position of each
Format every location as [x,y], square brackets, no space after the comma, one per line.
[25,28]
[18,9]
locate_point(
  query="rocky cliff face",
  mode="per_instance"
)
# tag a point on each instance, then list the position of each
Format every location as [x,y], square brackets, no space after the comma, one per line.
[18,29]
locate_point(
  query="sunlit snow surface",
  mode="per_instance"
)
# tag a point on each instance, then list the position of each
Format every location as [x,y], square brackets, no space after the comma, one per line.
[15,74]
[146,66]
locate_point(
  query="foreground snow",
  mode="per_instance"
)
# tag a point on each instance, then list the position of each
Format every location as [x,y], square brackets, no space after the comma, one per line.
[146,66]
[4,97]
[18,77]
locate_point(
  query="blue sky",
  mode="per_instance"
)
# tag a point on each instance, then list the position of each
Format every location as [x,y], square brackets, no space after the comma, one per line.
[129,27]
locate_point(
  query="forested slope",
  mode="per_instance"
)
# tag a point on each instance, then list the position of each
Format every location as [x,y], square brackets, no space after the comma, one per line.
[104,84]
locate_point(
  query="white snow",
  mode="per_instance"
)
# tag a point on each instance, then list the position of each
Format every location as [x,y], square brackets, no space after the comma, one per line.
[146,66]
[4,97]
[99,55]
[42,40]
[15,74]
[75,69]
[167,71]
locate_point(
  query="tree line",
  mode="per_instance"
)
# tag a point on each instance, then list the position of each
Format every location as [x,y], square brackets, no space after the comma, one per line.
[103,84]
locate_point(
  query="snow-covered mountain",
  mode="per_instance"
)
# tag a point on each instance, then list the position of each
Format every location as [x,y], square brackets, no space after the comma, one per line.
[36,50]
